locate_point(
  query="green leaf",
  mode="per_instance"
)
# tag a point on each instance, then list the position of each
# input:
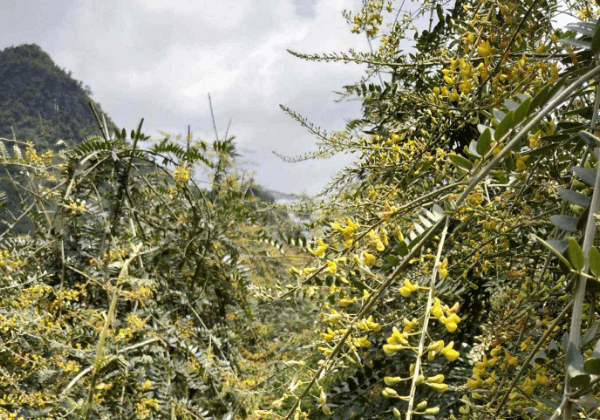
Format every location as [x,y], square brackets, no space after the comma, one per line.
[511,105]
[504,126]
[484,142]
[393,260]
[402,248]
[522,111]
[575,254]
[460,161]
[540,99]
[566,223]
[592,365]
[578,378]
[498,115]
[596,41]
[554,251]
[590,139]
[590,334]
[595,261]
[584,28]
[574,197]
[509,163]
[586,175]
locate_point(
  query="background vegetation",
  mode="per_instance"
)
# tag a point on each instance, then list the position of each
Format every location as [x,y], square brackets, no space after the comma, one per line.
[451,273]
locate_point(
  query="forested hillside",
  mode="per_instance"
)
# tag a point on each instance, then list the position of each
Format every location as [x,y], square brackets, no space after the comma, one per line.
[40,104]
[452,272]
[41,101]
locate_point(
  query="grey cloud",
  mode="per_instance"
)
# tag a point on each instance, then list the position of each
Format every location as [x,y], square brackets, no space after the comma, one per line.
[160,59]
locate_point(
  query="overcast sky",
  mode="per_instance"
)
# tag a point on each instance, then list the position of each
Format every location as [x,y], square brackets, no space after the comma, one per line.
[158,59]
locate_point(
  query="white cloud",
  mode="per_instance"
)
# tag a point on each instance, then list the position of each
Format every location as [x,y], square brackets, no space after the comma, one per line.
[159,59]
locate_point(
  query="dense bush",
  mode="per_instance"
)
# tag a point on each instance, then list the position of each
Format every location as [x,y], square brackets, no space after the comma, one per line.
[450,255]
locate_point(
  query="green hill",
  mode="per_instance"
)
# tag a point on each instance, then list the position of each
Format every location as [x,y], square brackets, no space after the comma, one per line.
[32,86]
[39,103]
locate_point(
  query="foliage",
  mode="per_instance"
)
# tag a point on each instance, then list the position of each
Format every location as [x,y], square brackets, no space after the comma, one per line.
[452,262]
[131,299]
[39,103]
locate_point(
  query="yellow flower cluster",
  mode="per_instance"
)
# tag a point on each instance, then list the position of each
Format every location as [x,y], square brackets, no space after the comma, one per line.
[378,240]
[181,174]
[459,73]
[319,251]
[33,157]
[408,288]
[446,316]
[437,347]
[368,259]
[396,342]
[76,206]
[369,325]
[361,342]
[144,407]
[387,210]
[480,370]
[347,231]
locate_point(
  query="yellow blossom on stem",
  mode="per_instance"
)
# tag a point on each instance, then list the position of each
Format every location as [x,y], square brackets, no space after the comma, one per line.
[397,337]
[443,268]
[484,49]
[369,259]
[449,352]
[392,380]
[329,335]
[369,325]
[361,342]
[346,301]
[319,251]
[332,267]
[511,360]
[408,288]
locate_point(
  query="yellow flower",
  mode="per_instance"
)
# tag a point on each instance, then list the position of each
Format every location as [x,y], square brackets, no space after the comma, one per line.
[361,342]
[436,382]
[434,348]
[397,338]
[345,301]
[436,309]
[541,379]
[369,325]
[336,226]
[320,250]
[391,380]
[453,95]
[484,49]
[350,227]
[181,174]
[409,325]
[369,259]
[332,267]
[392,348]
[390,393]
[328,336]
[474,383]
[466,86]
[443,268]
[408,288]
[449,80]
[387,211]
[520,164]
[449,352]
[510,359]
[437,379]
